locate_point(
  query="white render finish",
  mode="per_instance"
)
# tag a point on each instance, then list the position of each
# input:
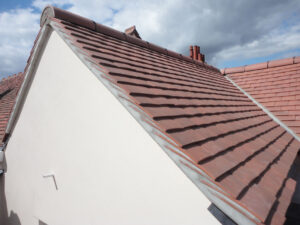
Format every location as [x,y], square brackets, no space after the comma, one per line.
[73,133]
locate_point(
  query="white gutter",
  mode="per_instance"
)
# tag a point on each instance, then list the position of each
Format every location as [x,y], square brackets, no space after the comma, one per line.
[266,110]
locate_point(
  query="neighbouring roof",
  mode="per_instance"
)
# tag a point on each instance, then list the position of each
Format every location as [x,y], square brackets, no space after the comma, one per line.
[244,155]
[9,88]
[133,32]
[274,84]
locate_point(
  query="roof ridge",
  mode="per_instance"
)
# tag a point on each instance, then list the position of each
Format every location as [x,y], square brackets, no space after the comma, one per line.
[54,12]
[263,65]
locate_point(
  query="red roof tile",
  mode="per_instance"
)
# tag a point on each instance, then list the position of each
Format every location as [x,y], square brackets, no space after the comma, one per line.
[221,130]
[276,86]
[9,88]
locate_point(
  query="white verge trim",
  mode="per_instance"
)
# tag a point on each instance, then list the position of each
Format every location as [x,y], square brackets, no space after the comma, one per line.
[265,110]
[28,76]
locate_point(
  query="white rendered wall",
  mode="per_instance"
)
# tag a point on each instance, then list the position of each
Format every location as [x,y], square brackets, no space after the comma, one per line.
[108,169]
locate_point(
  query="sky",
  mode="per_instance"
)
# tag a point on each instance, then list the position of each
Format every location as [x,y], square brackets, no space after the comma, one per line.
[229,32]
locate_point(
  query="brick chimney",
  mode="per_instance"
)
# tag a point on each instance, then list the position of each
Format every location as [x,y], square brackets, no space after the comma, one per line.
[195,53]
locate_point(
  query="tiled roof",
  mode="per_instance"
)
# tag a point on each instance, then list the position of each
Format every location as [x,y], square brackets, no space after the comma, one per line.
[274,84]
[244,153]
[9,88]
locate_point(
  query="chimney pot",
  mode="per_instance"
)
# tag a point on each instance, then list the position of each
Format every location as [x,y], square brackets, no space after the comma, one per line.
[191,51]
[195,53]
[203,57]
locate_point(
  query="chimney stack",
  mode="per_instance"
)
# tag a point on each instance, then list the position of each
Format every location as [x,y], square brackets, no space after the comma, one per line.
[195,53]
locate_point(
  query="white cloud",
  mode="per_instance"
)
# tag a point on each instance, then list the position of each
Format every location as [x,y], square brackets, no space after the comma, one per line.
[224,29]
[18,30]
[41,4]
[99,10]
[268,44]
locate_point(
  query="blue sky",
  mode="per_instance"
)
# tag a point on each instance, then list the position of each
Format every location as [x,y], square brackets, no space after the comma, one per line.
[12,4]
[248,61]
[230,33]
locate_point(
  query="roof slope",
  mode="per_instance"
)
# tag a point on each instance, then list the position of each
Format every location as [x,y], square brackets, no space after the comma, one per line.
[9,88]
[274,84]
[244,153]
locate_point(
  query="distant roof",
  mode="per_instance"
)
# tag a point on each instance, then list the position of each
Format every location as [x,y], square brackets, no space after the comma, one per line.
[276,85]
[133,32]
[9,88]
[240,155]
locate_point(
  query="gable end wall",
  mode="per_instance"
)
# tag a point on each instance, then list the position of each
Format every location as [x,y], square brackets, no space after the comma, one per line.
[107,169]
